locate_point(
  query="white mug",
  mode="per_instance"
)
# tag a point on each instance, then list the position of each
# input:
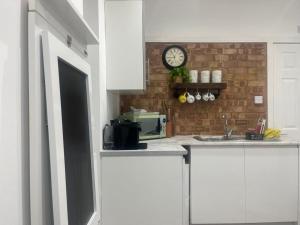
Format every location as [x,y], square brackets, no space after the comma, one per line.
[205,97]
[190,98]
[198,96]
[211,97]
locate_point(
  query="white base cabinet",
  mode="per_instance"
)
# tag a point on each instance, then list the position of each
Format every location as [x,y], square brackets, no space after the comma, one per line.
[244,184]
[271,184]
[217,185]
[142,190]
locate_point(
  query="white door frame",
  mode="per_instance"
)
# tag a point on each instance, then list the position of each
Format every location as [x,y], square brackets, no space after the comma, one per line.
[52,49]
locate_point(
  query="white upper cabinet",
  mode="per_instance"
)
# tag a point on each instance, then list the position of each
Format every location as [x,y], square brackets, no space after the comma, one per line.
[78,4]
[124,45]
[67,14]
[271,184]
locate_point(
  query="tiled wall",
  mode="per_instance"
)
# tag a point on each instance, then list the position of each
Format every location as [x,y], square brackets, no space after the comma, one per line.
[244,67]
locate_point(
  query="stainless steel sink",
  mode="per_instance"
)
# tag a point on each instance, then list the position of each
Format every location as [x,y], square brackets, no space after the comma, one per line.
[219,138]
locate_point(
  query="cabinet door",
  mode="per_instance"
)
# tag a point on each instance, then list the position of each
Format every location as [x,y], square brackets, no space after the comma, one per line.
[142,190]
[124,45]
[217,185]
[271,184]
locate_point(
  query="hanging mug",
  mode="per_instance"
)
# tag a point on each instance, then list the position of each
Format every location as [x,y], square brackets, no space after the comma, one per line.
[205,97]
[190,98]
[211,96]
[182,98]
[198,96]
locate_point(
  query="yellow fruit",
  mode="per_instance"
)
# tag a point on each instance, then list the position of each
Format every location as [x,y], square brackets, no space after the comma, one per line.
[272,133]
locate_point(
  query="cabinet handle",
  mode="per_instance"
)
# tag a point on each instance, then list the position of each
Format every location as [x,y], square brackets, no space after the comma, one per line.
[148,72]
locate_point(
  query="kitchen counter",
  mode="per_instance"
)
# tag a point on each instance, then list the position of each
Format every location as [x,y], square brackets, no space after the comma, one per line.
[154,148]
[173,146]
[189,140]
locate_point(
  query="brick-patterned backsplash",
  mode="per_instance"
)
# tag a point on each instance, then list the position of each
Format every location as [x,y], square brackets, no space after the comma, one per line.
[244,67]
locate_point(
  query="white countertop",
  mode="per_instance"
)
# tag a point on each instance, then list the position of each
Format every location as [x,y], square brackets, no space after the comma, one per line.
[160,148]
[173,146]
[189,140]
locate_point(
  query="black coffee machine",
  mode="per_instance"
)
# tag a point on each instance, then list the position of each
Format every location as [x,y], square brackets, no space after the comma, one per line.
[122,135]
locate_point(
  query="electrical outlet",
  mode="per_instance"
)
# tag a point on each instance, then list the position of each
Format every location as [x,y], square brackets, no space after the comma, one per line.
[258,99]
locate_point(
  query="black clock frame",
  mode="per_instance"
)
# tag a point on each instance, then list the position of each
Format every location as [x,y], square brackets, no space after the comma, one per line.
[164,56]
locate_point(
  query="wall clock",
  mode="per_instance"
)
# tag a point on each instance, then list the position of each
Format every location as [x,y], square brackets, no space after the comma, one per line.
[174,56]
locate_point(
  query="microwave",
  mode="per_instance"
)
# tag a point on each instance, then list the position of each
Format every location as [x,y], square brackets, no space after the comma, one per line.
[152,124]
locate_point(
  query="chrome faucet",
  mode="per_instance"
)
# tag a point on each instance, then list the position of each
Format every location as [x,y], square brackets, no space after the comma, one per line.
[227,130]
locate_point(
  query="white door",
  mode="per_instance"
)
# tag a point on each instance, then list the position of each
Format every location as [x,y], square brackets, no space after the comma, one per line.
[271,183]
[287,89]
[74,171]
[217,185]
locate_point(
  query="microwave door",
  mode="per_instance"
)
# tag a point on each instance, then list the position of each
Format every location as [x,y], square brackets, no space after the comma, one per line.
[150,127]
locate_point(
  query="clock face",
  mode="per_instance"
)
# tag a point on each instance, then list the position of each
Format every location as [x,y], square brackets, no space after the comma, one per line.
[174,56]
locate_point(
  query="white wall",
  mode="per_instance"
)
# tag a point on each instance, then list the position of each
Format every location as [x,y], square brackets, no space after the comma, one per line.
[106,104]
[14,192]
[179,20]
[226,21]
[109,102]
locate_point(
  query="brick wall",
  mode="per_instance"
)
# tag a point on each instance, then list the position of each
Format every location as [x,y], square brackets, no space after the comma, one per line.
[244,67]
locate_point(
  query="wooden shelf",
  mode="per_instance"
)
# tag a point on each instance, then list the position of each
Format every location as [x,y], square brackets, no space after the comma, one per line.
[214,88]
[200,86]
